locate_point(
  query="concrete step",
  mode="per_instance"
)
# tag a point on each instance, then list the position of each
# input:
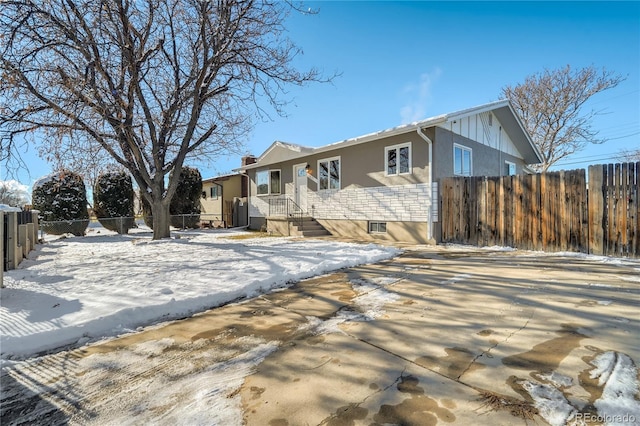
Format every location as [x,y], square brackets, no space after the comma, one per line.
[311,228]
[315,233]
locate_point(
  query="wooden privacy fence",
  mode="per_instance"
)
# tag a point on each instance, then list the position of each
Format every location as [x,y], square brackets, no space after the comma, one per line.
[554,211]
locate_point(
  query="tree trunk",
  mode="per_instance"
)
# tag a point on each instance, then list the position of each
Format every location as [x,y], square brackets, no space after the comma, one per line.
[161,220]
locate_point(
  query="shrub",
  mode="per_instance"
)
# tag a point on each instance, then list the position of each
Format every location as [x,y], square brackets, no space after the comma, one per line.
[61,198]
[186,200]
[113,201]
[185,204]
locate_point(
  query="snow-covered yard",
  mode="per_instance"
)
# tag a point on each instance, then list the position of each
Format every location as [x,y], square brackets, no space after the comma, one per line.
[80,289]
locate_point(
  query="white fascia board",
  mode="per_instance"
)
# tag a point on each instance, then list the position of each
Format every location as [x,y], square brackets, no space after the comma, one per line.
[457,115]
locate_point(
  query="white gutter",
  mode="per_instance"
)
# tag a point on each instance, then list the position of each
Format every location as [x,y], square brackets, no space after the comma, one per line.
[430,238]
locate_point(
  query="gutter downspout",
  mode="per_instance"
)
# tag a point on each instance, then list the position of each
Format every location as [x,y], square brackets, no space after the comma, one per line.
[244,174]
[430,238]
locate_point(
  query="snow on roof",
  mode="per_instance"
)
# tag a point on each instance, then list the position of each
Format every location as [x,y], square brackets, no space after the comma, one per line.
[296,151]
[8,208]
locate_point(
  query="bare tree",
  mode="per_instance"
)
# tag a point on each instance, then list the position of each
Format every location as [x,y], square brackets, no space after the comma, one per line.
[150,82]
[551,106]
[13,193]
[629,155]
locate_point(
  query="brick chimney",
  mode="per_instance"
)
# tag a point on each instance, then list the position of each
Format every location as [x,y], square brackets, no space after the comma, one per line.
[248,159]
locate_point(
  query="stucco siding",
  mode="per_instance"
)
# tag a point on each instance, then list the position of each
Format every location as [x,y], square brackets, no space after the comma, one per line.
[228,188]
[361,165]
[486,161]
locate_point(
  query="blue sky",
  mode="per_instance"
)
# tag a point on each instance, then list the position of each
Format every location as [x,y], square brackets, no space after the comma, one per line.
[403,61]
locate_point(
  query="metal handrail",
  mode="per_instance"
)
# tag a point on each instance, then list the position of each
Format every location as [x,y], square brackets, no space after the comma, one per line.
[285,206]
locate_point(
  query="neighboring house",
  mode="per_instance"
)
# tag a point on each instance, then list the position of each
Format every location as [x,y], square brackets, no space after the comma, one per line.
[384,185]
[224,200]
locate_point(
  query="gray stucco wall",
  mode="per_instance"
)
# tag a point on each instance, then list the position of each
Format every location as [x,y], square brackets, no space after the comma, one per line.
[486,161]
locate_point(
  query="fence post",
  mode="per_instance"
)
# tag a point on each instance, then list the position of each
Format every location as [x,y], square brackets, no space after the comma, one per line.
[595,197]
[635,210]
[2,248]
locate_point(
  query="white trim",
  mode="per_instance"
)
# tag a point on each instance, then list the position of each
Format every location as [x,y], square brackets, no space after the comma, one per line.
[397,147]
[463,148]
[328,160]
[269,191]
[299,192]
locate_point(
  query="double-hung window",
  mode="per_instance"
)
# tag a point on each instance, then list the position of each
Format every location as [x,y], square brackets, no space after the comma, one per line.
[462,160]
[329,173]
[397,159]
[268,182]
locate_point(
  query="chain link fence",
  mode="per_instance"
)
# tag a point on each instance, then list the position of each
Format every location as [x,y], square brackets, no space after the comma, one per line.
[122,225]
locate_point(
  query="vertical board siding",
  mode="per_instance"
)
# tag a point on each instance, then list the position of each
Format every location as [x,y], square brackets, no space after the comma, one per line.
[554,211]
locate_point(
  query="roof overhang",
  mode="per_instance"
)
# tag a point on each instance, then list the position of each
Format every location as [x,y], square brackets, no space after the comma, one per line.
[282,151]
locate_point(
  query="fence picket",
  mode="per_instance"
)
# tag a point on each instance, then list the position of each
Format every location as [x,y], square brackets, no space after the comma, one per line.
[554,211]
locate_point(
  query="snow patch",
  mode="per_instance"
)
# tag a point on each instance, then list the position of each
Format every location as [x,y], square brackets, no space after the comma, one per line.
[557,379]
[619,376]
[550,402]
[457,278]
[372,297]
[103,285]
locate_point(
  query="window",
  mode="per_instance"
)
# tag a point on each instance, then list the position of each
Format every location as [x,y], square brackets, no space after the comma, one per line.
[509,168]
[213,192]
[329,173]
[377,227]
[268,182]
[397,159]
[461,160]
[274,181]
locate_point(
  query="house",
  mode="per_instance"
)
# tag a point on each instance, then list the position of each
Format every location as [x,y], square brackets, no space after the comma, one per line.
[384,185]
[224,199]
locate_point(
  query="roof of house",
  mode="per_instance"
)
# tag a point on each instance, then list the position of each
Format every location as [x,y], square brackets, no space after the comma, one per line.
[220,178]
[504,112]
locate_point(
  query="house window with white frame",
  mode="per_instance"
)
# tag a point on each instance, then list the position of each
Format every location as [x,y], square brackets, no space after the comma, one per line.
[462,160]
[509,168]
[329,173]
[213,192]
[268,182]
[397,159]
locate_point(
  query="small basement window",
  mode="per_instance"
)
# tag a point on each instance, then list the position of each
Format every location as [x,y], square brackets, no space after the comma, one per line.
[377,227]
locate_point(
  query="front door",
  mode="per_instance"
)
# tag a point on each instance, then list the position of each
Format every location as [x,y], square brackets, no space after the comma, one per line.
[300,185]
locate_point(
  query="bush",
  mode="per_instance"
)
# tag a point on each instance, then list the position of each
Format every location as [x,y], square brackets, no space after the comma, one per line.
[186,200]
[113,201]
[61,198]
[185,205]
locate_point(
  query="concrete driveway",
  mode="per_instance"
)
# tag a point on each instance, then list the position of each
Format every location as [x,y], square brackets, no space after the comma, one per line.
[435,336]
